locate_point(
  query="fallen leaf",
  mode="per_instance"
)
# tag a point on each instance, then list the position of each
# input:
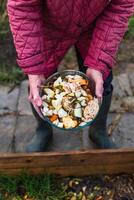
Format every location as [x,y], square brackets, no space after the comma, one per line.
[99,198]
[84,197]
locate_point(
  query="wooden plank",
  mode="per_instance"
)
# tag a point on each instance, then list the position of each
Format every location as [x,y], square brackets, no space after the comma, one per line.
[74,171]
[76,163]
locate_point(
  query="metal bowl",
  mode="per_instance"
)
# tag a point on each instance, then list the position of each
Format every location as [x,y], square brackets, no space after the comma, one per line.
[64,73]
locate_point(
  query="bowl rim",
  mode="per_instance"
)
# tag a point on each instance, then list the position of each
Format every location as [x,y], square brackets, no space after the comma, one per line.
[45,118]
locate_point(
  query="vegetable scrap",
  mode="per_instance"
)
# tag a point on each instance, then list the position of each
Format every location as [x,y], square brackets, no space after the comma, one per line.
[68,102]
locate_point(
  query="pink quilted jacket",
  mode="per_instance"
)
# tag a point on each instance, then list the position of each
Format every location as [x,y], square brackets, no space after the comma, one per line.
[44,30]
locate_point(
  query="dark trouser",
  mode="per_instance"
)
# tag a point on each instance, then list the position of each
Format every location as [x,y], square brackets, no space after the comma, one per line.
[107,83]
[98,132]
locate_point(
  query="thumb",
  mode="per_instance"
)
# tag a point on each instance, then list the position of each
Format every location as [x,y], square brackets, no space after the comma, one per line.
[99,88]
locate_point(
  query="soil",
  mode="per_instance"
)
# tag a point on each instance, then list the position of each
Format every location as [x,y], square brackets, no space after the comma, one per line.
[120,187]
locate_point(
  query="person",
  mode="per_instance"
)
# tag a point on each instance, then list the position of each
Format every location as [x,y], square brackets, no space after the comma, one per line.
[44,30]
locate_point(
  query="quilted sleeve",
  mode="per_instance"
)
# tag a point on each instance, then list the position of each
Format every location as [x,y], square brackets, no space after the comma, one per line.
[26,22]
[108,32]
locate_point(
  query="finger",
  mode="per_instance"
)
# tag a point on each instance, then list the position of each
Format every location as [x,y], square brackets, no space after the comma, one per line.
[36,97]
[30,96]
[38,101]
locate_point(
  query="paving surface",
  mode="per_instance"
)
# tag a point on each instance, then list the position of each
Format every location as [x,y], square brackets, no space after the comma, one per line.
[18,125]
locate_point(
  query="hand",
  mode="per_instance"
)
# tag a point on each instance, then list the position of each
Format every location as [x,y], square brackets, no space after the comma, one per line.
[98,79]
[34,82]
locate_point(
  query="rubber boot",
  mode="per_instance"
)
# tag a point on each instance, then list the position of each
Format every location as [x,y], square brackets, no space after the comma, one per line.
[97,132]
[42,137]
